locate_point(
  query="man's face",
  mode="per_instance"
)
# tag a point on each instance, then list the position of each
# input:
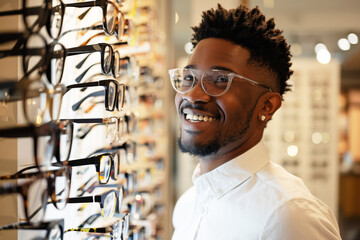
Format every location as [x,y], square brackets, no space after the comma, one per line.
[227,120]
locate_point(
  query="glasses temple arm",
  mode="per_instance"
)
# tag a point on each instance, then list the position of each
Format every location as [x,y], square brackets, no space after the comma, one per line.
[81,199]
[90,220]
[81,76]
[97,27]
[84,4]
[79,65]
[83,49]
[27,131]
[82,133]
[76,106]
[83,161]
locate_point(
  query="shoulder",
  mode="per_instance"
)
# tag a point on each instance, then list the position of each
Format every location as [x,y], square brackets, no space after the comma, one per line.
[301,218]
[296,213]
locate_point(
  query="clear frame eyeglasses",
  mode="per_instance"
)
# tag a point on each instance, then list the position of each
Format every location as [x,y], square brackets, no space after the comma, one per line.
[214,82]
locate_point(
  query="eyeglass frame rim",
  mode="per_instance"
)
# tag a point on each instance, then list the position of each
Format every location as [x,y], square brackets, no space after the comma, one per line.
[104,83]
[195,80]
[35,131]
[48,175]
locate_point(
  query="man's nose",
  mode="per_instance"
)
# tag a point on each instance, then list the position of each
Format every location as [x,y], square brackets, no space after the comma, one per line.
[196,94]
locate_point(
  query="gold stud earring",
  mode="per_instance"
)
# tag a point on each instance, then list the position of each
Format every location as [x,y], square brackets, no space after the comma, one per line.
[262,117]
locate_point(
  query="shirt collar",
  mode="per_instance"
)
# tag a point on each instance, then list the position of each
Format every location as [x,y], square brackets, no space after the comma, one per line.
[232,173]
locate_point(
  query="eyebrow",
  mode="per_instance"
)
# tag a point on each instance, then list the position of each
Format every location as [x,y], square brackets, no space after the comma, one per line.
[193,66]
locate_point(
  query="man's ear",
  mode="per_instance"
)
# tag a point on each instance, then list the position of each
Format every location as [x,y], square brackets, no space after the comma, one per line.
[268,103]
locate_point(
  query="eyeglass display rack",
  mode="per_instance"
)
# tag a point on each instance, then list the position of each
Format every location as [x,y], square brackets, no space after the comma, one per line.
[302,136]
[146,201]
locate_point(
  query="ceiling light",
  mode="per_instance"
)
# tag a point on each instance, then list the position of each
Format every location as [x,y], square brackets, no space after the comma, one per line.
[176,17]
[323,56]
[292,150]
[188,48]
[344,44]
[353,38]
[319,46]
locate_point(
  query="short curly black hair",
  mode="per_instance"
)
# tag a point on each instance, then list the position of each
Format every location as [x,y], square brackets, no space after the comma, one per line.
[249,29]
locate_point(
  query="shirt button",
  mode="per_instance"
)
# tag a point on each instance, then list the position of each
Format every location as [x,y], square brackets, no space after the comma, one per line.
[203,211]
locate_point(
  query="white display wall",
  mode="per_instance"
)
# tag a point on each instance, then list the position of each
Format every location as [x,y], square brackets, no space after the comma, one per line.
[303,134]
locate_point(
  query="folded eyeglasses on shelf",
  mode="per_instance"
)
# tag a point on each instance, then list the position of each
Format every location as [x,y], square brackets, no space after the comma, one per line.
[51,15]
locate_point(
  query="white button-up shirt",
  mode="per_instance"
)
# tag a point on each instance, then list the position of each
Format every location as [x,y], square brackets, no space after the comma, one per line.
[251,198]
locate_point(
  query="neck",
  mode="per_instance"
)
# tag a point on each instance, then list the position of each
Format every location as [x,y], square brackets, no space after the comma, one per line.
[210,162]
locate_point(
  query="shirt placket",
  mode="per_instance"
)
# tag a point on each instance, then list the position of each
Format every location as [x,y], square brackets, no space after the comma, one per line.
[203,198]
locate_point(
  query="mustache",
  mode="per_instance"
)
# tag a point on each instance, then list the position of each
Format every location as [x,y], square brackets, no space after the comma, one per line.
[197,106]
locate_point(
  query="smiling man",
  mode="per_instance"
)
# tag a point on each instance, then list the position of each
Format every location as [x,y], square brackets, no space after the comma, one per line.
[231,87]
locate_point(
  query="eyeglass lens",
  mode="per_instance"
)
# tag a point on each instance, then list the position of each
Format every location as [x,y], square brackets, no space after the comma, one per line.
[108,58]
[213,82]
[56,18]
[110,17]
[37,196]
[105,168]
[55,233]
[32,20]
[109,205]
[61,189]
[34,53]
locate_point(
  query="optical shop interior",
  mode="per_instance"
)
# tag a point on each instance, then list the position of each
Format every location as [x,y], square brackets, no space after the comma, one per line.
[89,127]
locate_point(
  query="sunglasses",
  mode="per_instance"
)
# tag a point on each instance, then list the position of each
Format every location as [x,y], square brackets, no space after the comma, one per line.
[52,139]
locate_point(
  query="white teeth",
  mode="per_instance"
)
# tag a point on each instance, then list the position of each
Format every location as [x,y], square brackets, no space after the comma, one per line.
[198,118]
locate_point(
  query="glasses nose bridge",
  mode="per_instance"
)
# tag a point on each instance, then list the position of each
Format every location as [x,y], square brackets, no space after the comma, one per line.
[197,92]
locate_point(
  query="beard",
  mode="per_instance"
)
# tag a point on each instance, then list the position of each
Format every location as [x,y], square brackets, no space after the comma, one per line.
[219,140]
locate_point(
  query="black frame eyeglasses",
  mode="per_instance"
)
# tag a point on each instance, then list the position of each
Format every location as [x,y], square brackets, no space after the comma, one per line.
[111,13]
[39,57]
[114,93]
[37,98]
[106,165]
[35,17]
[214,82]
[110,201]
[58,139]
[58,187]
[116,67]
[54,228]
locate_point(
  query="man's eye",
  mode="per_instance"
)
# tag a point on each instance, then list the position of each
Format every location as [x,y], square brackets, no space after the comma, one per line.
[188,78]
[221,79]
